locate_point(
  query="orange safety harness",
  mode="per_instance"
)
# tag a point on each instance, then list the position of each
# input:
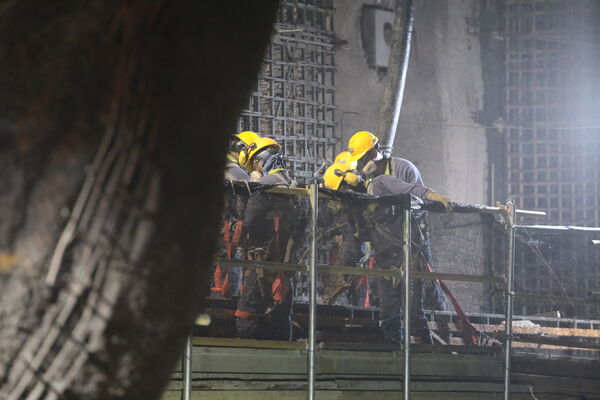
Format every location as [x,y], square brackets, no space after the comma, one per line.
[280,285]
[221,285]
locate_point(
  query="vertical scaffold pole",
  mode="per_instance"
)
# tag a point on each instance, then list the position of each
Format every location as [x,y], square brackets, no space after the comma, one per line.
[407,244]
[510,292]
[312,301]
[187,369]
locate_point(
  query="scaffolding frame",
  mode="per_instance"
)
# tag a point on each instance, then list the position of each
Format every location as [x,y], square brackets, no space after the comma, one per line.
[509,212]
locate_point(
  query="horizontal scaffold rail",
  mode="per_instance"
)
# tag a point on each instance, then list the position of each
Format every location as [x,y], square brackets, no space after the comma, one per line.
[343,270]
[557,299]
[296,191]
[560,228]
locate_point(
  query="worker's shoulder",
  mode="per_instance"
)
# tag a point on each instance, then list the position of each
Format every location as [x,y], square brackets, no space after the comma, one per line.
[274,179]
[399,162]
[234,172]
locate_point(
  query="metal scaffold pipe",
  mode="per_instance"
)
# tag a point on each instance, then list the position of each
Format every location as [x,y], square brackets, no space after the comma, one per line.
[187,369]
[393,91]
[510,269]
[407,276]
[312,270]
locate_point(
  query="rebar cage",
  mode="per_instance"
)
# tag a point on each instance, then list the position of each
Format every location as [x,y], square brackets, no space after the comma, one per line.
[294,100]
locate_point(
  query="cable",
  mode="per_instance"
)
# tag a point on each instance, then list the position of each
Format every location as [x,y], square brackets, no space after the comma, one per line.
[538,253]
[531,391]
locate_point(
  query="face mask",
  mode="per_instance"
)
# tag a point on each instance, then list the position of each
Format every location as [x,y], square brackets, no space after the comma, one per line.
[255,176]
[369,169]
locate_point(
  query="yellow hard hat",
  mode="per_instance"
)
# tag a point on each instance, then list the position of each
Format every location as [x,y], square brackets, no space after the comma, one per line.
[260,145]
[338,172]
[360,143]
[248,137]
[343,157]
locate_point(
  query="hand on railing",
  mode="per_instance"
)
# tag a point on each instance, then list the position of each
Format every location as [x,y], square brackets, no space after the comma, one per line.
[448,205]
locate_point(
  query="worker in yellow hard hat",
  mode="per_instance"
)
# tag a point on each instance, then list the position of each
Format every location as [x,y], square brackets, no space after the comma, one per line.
[364,142]
[346,233]
[340,176]
[266,164]
[343,157]
[264,306]
[249,138]
[238,147]
[393,176]
[396,175]
[227,280]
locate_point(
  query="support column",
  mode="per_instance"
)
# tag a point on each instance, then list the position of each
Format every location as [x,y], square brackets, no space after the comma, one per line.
[510,292]
[312,277]
[187,369]
[407,244]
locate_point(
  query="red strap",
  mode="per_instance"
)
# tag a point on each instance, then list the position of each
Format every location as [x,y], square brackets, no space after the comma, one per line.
[247,315]
[221,286]
[364,280]
[237,233]
[470,332]
[217,280]
[227,237]
[279,288]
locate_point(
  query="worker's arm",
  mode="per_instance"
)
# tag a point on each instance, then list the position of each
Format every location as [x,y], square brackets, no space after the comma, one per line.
[387,184]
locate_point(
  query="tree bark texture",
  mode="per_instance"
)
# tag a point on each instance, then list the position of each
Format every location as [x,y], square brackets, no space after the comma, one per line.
[114,118]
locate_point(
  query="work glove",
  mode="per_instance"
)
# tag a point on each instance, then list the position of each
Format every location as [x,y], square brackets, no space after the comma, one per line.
[441,199]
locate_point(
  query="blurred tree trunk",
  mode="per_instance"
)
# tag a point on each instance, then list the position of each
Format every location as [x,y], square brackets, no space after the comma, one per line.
[114,117]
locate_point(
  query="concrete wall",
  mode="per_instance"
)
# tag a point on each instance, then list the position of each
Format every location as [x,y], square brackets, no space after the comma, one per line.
[444,89]
[437,131]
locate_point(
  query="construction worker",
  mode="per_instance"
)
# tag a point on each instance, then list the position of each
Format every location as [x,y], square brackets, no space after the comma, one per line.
[344,233]
[343,177]
[227,281]
[385,176]
[238,148]
[266,164]
[343,158]
[264,306]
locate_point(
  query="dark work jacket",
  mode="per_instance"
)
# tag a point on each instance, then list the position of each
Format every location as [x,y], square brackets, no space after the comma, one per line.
[261,209]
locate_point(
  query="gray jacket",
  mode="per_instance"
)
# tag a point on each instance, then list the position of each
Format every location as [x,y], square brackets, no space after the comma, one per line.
[401,177]
[233,172]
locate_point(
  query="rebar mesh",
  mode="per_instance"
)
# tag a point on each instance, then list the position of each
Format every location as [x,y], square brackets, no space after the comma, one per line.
[294,100]
[553,141]
[553,136]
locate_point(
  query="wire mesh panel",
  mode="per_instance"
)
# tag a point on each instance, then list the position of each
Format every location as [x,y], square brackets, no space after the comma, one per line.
[558,272]
[552,108]
[294,101]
